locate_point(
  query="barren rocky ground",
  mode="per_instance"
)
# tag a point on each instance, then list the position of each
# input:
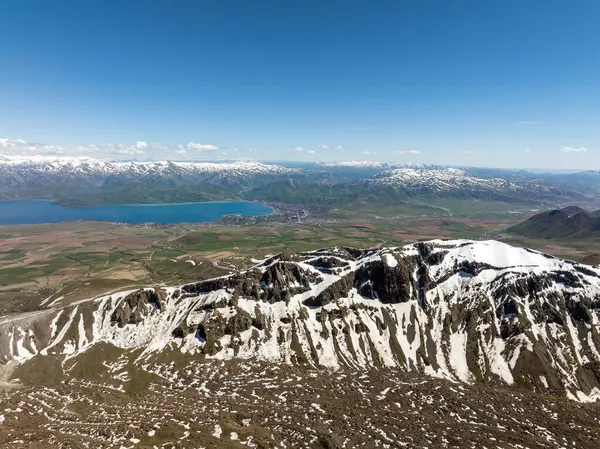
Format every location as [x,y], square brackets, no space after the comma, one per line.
[188,403]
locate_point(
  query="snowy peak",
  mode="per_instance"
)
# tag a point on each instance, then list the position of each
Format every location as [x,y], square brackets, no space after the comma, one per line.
[44,163]
[59,177]
[376,165]
[461,310]
[460,184]
[439,179]
[40,171]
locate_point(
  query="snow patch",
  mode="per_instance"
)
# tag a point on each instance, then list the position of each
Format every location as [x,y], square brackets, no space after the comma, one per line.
[389,259]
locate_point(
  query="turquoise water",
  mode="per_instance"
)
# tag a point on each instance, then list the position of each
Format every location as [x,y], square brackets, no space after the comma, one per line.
[37,212]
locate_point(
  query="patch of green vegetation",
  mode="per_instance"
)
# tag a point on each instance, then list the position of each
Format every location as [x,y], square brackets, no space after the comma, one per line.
[127,256]
[297,192]
[143,194]
[480,208]
[8,274]
[12,255]
[16,275]
[115,257]
[388,210]
[167,271]
[209,245]
[202,241]
[86,256]
[167,253]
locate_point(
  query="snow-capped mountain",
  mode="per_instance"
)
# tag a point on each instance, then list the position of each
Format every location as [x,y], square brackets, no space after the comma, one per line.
[72,167]
[18,170]
[375,164]
[455,182]
[461,310]
[91,181]
[439,179]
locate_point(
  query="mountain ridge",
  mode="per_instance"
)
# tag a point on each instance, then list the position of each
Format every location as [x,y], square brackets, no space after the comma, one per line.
[461,310]
[567,223]
[86,181]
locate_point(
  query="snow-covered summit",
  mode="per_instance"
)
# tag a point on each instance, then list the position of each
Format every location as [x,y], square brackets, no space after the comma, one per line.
[65,163]
[462,310]
[373,164]
[438,179]
[19,171]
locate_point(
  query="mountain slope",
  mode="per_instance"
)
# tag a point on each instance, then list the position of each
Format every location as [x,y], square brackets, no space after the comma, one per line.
[326,193]
[179,402]
[569,222]
[461,310]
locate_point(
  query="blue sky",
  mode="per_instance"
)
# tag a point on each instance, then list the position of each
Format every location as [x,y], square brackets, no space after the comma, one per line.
[468,82]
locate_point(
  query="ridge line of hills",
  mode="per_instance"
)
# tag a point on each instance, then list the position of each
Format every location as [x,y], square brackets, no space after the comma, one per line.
[84,181]
[571,222]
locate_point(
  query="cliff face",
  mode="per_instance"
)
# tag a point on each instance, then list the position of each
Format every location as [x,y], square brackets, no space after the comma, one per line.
[461,310]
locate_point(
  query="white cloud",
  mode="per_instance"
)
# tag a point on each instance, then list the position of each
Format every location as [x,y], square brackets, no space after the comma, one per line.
[303,150]
[479,153]
[132,150]
[10,143]
[406,152]
[158,146]
[573,150]
[332,147]
[527,150]
[103,150]
[369,153]
[201,147]
[149,150]
[91,148]
[529,123]
[14,147]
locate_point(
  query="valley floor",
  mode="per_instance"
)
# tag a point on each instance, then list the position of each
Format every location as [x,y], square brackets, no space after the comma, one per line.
[188,403]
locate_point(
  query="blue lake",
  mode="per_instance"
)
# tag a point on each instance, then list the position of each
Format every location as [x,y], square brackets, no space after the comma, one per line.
[37,212]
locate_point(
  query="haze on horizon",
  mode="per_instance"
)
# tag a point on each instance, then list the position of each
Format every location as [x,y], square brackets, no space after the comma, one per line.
[499,84]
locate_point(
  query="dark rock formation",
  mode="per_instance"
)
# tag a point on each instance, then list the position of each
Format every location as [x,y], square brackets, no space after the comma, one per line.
[390,284]
[135,306]
[338,289]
